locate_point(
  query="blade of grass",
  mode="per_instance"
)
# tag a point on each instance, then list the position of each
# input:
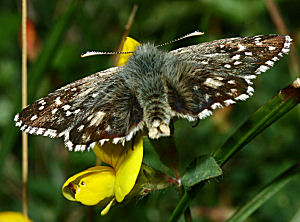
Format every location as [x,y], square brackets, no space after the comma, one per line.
[24,104]
[296,217]
[265,194]
[276,107]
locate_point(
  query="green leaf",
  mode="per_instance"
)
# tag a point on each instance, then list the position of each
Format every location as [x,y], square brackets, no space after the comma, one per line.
[270,190]
[202,168]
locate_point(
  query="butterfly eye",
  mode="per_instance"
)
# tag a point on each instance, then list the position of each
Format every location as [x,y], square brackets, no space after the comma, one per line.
[82,183]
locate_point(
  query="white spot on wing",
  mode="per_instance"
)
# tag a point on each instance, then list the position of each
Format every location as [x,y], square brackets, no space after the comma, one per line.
[284,50]
[40,131]
[41,107]
[233,91]
[23,127]
[69,144]
[80,128]
[219,78]
[33,130]
[94,95]
[236,57]
[19,123]
[229,102]
[54,111]
[270,63]
[103,141]
[57,100]
[77,111]
[261,69]
[42,102]
[216,105]
[28,129]
[68,113]
[248,53]
[241,47]
[205,113]
[227,66]
[16,118]
[250,90]
[242,97]
[33,117]
[66,107]
[271,48]
[97,118]
[213,83]
[80,148]
[50,132]
[237,63]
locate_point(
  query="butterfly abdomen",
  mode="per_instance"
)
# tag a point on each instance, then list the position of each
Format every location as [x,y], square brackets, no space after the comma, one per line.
[157,116]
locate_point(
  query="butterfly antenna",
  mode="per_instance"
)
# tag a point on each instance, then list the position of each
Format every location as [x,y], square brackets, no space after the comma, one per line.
[92,53]
[195,33]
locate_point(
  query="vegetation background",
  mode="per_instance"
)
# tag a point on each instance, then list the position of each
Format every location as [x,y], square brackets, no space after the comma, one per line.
[61,30]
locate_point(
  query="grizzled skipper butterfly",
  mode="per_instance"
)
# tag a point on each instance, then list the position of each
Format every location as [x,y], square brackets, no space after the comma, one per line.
[153,87]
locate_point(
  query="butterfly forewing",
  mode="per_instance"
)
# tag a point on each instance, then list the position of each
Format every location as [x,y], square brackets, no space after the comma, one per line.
[82,111]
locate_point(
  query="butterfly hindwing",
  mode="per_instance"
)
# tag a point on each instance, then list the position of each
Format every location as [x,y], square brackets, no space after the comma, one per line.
[219,73]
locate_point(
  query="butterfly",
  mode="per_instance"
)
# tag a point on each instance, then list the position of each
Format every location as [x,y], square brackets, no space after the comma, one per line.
[151,89]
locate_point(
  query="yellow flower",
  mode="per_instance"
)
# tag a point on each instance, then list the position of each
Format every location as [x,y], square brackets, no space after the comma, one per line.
[129,46]
[106,184]
[12,216]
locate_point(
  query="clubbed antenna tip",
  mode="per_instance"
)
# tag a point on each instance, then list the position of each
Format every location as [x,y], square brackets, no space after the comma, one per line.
[92,53]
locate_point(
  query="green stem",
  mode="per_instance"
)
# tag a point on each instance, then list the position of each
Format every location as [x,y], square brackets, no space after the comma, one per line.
[184,201]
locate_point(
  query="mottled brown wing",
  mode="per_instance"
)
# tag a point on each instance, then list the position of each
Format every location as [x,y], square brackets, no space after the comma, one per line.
[219,73]
[96,108]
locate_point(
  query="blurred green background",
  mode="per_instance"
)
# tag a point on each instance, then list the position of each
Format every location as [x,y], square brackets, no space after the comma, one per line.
[65,29]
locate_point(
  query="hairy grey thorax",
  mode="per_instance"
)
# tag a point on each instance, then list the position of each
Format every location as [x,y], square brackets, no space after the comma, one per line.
[147,70]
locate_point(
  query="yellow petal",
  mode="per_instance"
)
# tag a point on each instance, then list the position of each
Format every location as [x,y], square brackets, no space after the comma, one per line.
[109,153]
[90,186]
[107,208]
[128,167]
[11,216]
[129,46]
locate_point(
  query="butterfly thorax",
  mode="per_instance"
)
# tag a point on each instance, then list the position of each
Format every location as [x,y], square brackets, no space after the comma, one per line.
[147,73]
